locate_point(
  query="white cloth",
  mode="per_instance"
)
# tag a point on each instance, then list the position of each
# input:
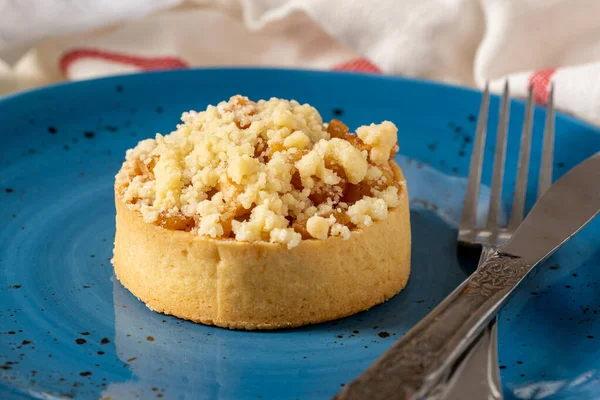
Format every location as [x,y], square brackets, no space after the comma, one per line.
[464,42]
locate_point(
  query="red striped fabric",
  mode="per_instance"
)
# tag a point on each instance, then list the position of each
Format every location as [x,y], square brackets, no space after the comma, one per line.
[142,63]
[358,65]
[540,80]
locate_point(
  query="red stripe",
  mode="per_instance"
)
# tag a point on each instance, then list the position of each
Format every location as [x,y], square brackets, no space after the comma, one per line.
[358,65]
[540,80]
[143,63]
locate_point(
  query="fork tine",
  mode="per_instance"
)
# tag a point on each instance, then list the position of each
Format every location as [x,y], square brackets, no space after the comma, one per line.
[499,156]
[516,215]
[548,147]
[469,213]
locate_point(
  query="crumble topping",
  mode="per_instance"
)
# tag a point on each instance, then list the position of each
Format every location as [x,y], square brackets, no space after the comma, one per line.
[263,171]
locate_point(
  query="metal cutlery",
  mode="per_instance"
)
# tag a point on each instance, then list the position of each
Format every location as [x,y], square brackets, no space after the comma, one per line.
[477,376]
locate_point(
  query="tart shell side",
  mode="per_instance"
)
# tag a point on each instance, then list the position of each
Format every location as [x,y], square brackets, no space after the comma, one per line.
[262,285]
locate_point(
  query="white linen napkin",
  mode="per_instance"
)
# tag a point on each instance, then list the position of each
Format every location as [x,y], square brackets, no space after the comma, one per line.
[465,42]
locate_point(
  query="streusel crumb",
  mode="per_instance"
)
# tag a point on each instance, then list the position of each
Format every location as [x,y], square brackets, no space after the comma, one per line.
[263,171]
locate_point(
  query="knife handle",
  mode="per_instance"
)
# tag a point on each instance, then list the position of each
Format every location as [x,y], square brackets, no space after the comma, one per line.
[420,359]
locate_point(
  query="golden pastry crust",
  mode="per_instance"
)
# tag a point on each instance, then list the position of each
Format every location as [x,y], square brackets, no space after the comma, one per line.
[261,285]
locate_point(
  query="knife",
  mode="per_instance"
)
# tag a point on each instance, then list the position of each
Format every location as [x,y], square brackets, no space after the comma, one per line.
[415,364]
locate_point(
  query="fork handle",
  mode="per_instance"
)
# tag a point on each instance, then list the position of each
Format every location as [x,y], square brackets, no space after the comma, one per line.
[418,361]
[477,375]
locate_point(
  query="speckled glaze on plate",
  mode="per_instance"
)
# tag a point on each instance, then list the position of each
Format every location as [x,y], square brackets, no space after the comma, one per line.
[68,329]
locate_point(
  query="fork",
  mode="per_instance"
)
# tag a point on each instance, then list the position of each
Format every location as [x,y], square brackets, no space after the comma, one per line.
[477,375]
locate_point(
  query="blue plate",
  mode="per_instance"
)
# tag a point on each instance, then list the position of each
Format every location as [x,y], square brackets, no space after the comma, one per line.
[68,329]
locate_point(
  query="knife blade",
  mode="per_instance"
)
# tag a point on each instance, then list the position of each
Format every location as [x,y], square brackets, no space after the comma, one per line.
[560,213]
[416,363]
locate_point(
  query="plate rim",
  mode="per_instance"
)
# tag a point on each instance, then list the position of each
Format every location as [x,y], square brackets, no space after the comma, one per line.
[19,95]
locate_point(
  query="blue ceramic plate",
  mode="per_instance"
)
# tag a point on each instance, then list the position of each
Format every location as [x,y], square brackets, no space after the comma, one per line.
[68,329]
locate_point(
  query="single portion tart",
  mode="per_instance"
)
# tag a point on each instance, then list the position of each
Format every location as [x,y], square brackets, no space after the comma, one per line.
[257,215]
